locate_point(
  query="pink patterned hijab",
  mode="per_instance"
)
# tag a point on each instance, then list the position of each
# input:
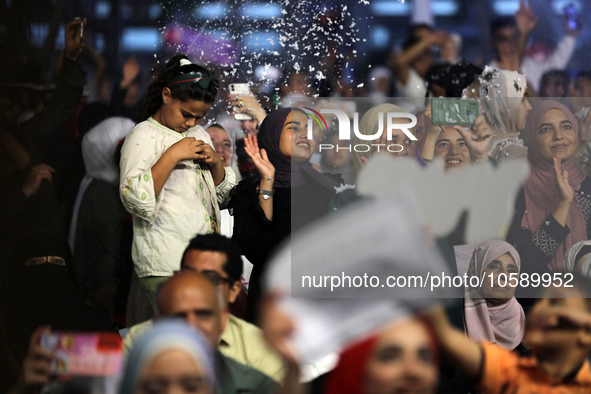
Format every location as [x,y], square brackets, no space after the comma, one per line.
[541,193]
[502,324]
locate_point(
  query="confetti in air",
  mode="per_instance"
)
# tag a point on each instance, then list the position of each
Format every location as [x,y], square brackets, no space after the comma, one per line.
[247,39]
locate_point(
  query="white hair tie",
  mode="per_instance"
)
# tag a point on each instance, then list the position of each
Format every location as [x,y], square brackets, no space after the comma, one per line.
[184,62]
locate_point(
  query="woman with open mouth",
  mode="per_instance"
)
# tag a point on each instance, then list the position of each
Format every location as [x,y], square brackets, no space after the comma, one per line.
[287,193]
[451,147]
[553,209]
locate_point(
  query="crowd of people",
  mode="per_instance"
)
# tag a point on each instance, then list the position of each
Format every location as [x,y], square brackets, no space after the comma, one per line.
[162,227]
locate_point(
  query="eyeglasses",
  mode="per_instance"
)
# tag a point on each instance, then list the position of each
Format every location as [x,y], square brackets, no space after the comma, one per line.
[215,278]
[212,276]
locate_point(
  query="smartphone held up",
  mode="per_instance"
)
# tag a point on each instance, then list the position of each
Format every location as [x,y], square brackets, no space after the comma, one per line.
[81,26]
[454,112]
[243,90]
[572,17]
[85,354]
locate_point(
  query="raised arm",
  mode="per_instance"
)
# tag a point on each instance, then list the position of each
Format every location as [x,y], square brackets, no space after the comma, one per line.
[401,63]
[266,171]
[427,143]
[478,139]
[130,71]
[67,95]
[462,352]
[526,20]
[249,105]
[566,193]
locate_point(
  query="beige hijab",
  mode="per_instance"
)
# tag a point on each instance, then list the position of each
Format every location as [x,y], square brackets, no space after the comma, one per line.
[501,92]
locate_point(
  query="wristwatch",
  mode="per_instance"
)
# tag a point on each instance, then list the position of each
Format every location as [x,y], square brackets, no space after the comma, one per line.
[267,194]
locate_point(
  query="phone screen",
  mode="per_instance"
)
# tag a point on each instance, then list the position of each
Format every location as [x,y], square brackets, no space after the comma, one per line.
[85,354]
[452,112]
[572,16]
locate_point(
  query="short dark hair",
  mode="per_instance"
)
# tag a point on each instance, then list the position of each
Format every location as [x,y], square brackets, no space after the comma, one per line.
[411,38]
[413,27]
[218,243]
[548,75]
[500,23]
[453,78]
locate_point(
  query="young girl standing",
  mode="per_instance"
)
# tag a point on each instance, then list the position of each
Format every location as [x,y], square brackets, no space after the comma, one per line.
[172,180]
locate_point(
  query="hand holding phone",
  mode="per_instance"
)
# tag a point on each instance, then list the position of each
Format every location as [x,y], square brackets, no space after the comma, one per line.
[245,105]
[478,138]
[74,38]
[238,107]
[84,354]
[81,26]
[573,20]
[36,365]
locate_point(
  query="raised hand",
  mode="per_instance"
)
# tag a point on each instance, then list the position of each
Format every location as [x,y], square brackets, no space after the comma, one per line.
[74,43]
[565,191]
[525,18]
[131,69]
[478,138]
[259,157]
[36,366]
[430,128]
[246,104]
[36,175]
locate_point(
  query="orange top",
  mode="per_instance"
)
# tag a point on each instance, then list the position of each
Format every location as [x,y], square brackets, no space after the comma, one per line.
[506,372]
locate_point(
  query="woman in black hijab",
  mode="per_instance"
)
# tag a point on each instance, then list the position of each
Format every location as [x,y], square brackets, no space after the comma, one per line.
[287,194]
[39,289]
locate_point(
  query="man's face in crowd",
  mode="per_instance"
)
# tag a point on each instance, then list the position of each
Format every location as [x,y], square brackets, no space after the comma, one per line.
[192,297]
[210,264]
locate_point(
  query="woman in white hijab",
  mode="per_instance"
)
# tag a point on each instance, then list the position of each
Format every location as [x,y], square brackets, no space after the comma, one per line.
[505,110]
[97,220]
